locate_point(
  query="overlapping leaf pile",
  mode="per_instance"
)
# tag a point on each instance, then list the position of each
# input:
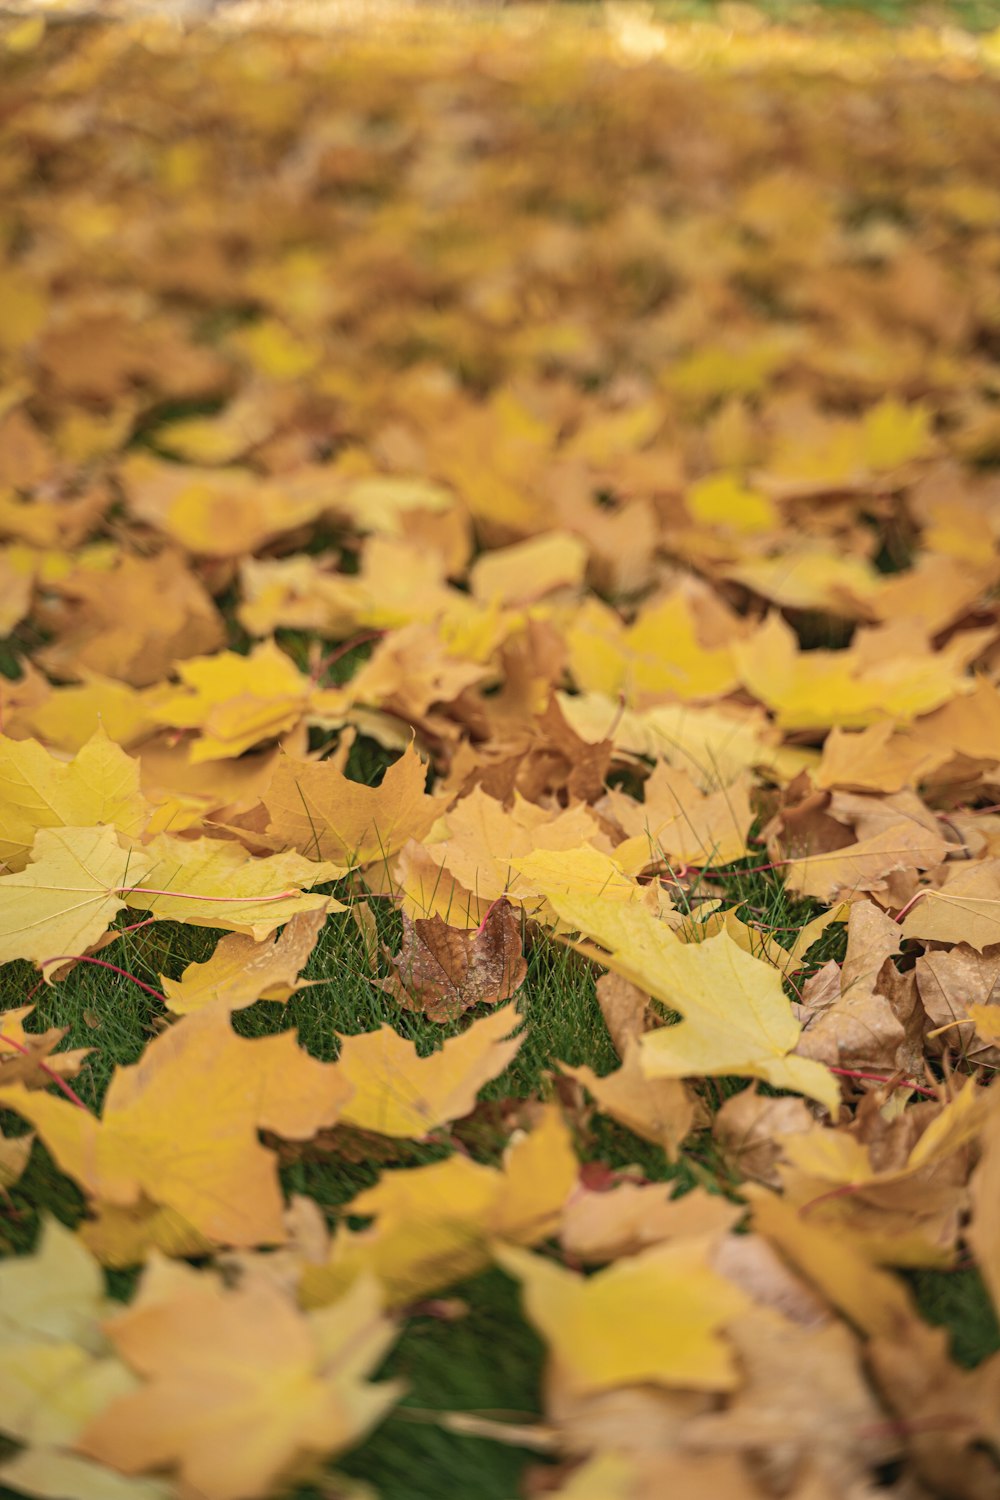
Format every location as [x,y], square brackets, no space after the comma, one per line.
[611,447]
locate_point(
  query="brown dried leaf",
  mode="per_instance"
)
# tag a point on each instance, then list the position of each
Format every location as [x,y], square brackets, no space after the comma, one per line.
[444,970]
[749,1129]
[951,985]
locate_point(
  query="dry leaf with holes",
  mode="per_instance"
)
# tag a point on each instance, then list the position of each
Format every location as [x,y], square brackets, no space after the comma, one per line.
[443,971]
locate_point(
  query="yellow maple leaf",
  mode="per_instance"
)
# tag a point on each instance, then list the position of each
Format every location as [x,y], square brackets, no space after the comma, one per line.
[67,897]
[656,1317]
[984,1233]
[381,501]
[658,1109]
[864,866]
[133,619]
[735,1015]
[817,689]
[215,512]
[212,883]
[878,759]
[965,909]
[487,841]
[583,871]
[64,717]
[29,1057]
[433,1225]
[811,577]
[180,1126]
[711,744]
[661,655]
[55,1369]
[14,1154]
[52,1472]
[896,1215]
[529,570]
[57,1292]
[986,1019]
[99,785]
[397,1092]
[876,1302]
[430,1230]
[677,823]
[18,566]
[122,1235]
[820,454]
[242,971]
[317,809]
[235,701]
[237,1383]
[602,1226]
[722,500]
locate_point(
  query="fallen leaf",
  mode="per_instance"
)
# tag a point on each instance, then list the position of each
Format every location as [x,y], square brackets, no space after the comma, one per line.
[242,971]
[434,1224]
[443,971]
[56,1369]
[752,1035]
[14,1154]
[192,1145]
[29,1057]
[68,895]
[100,785]
[655,1317]
[316,809]
[658,1109]
[983,1234]
[751,1130]
[211,883]
[898,1188]
[964,909]
[237,1384]
[396,1092]
[678,824]
[960,993]
[601,1227]
[235,702]
[805,1399]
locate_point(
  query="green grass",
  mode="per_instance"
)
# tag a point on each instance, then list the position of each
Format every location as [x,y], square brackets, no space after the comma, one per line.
[414,1458]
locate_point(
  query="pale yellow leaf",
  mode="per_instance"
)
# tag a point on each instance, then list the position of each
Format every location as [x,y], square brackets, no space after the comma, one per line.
[398,1093]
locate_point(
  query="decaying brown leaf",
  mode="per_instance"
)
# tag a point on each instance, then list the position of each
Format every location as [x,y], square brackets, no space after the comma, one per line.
[444,970]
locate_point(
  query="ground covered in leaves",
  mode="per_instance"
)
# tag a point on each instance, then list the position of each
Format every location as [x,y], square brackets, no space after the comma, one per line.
[500,921]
